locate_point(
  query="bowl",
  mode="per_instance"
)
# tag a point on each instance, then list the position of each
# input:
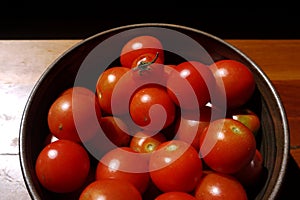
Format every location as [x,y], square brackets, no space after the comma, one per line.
[77,66]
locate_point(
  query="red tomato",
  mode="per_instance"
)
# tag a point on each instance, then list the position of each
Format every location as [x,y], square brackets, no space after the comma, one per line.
[144,142]
[219,186]
[144,60]
[235,82]
[110,189]
[62,166]
[74,116]
[151,108]
[175,196]
[247,117]
[191,124]
[175,166]
[116,130]
[124,164]
[105,87]
[138,46]
[227,145]
[189,84]
[252,174]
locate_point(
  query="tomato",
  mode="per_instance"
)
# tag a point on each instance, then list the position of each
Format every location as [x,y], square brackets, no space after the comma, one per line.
[247,117]
[62,166]
[191,124]
[252,174]
[139,45]
[227,145]
[151,107]
[145,142]
[116,130]
[74,116]
[105,87]
[124,164]
[111,189]
[144,60]
[235,82]
[175,166]
[189,84]
[175,196]
[216,186]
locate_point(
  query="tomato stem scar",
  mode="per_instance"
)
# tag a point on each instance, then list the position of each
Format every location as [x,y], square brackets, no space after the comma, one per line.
[143,66]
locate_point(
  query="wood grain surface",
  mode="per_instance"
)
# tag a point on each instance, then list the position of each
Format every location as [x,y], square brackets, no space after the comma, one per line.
[22,62]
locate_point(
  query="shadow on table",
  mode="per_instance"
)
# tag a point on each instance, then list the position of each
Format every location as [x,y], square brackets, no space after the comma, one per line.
[290,186]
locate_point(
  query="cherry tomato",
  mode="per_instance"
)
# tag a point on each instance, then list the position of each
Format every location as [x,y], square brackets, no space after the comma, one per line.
[188,85]
[124,164]
[227,145]
[62,166]
[191,124]
[146,59]
[175,166]
[252,174]
[105,87]
[145,142]
[175,196]
[247,117]
[116,130]
[111,189]
[235,82]
[138,46]
[151,108]
[74,116]
[220,186]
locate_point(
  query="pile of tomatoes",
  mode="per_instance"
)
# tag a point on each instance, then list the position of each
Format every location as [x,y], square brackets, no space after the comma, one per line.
[155,130]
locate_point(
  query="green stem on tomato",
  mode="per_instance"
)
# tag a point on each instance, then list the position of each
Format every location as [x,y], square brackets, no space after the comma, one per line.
[143,66]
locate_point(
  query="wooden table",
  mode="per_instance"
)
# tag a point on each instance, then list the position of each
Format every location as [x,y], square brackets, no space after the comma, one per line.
[23,61]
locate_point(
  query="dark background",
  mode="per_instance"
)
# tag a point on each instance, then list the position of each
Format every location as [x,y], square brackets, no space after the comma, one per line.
[78,20]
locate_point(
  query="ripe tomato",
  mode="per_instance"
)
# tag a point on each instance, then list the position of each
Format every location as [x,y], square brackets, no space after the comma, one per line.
[220,186]
[62,166]
[189,84]
[116,130]
[138,46]
[175,166]
[252,174]
[191,124]
[121,163]
[247,117]
[111,189]
[145,142]
[227,145]
[74,116]
[105,87]
[144,60]
[175,196]
[235,82]
[151,107]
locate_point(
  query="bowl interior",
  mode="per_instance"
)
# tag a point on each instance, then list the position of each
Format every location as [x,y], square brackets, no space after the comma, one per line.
[84,58]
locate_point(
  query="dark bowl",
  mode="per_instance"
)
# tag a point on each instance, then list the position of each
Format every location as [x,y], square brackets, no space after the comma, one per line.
[92,55]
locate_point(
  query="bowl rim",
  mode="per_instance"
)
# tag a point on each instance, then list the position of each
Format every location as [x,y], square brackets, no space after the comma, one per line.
[283,165]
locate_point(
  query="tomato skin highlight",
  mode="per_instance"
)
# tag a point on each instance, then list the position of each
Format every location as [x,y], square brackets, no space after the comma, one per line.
[62,166]
[175,166]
